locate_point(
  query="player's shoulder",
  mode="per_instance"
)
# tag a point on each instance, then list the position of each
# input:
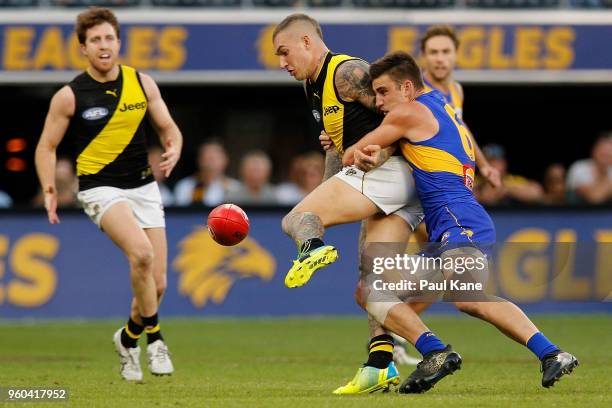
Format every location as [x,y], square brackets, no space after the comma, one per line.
[351,67]
[352,79]
[146,79]
[64,100]
[459,88]
[148,84]
[405,113]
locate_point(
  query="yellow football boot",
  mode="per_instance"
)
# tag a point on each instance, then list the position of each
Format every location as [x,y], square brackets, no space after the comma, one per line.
[370,379]
[309,263]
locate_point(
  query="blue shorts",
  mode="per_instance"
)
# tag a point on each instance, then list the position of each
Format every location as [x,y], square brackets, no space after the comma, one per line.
[461,224]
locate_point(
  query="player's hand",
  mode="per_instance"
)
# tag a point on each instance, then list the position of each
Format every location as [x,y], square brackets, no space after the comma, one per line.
[169,158]
[349,156]
[50,195]
[326,142]
[369,158]
[492,175]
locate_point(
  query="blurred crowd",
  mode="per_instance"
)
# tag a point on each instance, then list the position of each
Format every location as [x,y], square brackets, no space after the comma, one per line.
[586,181]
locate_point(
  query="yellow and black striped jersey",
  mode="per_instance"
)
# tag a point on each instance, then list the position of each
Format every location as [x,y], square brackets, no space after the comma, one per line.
[108,130]
[344,122]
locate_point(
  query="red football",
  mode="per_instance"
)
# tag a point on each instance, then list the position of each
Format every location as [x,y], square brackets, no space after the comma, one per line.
[228,224]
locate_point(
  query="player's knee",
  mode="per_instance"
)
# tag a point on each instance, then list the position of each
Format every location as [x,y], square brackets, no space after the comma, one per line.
[141,257]
[471,308]
[285,223]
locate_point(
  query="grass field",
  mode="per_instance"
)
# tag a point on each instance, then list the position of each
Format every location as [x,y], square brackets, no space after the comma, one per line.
[298,362]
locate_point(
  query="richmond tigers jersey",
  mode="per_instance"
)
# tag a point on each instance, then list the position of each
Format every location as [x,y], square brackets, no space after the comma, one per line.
[344,122]
[108,130]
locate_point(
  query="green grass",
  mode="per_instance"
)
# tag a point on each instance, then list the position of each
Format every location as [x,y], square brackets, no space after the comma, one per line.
[298,362]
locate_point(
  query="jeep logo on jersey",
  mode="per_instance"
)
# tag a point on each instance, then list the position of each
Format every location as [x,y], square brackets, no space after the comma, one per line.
[133,106]
[95,113]
[328,110]
[316,115]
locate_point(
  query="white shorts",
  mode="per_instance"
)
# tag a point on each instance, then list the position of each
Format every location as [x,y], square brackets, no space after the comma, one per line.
[390,187]
[145,202]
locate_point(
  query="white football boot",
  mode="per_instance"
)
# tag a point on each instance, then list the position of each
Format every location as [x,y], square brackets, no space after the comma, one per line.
[129,358]
[159,358]
[401,355]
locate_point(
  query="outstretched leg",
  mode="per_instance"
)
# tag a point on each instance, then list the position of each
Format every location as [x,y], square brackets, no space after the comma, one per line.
[515,324]
[331,203]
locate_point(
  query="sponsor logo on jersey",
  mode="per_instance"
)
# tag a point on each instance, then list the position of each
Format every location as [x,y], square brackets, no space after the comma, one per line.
[95,113]
[328,110]
[468,176]
[133,106]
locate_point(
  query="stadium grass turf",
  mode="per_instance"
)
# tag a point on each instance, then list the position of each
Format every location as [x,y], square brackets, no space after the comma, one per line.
[298,362]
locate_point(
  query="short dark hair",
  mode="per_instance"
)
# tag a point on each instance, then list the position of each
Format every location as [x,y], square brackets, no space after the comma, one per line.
[440,30]
[399,66]
[293,18]
[93,17]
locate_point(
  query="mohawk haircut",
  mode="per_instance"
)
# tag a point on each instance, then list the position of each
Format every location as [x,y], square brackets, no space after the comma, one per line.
[294,18]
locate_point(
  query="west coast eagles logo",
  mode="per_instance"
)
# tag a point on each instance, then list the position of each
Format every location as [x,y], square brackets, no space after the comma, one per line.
[208,270]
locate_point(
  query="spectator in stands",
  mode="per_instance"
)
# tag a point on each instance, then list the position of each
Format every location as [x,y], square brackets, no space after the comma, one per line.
[590,180]
[66,184]
[514,188]
[255,188]
[554,185]
[155,157]
[5,200]
[209,185]
[305,174]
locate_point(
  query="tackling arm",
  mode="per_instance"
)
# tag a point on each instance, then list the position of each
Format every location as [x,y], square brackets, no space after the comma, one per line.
[354,84]
[392,129]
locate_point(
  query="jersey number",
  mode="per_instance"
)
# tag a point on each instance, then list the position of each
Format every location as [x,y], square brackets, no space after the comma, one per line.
[466,138]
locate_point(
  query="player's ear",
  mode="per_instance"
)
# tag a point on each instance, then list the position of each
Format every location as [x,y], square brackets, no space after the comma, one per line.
[307,42]
[83,49]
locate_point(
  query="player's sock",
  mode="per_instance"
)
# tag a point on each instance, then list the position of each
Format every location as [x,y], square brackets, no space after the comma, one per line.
[152,328]
[310,244]
[428,342]
[131,333]
[381,351]
[540,345]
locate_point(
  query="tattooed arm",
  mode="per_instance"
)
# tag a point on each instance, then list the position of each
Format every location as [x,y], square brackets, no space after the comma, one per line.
[333,163]
[354,84]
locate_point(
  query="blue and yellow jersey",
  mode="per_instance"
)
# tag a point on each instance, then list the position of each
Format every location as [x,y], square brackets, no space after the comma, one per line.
[443,169]
[453,97]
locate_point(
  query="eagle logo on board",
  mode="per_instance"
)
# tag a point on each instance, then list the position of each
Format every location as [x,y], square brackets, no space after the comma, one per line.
[208,270]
